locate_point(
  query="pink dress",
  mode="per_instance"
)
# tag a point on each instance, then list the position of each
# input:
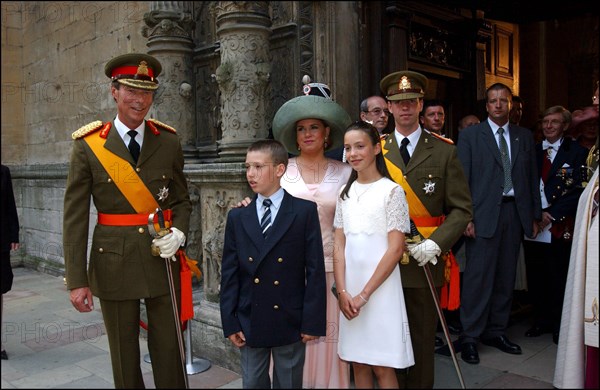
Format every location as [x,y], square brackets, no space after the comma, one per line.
[322,367]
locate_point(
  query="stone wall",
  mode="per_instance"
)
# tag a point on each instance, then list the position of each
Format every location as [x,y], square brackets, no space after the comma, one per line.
[53,82]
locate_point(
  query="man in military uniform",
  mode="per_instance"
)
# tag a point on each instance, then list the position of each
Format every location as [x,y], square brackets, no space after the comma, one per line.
[439,203]
[126,187]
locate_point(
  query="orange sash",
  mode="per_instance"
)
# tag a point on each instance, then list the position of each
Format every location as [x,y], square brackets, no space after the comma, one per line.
[450,294]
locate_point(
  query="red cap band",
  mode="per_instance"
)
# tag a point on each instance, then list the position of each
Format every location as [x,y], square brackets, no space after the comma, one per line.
[129,70]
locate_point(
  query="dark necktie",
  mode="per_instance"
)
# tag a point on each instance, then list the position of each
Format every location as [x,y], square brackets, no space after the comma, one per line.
[546,164]
[265,222]
[134,147]
[505,161]
[404,151]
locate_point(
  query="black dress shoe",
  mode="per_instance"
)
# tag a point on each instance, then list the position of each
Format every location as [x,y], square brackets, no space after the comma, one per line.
[4,355]
[503,344]
[536,331]
[439,342]
[469,353]
[555,337]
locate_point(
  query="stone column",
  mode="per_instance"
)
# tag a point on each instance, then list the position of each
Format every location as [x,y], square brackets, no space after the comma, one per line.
[168,28]
[243,29]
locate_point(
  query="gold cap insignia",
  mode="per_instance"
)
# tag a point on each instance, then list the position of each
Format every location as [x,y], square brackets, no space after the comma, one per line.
[404,83]
[143,68]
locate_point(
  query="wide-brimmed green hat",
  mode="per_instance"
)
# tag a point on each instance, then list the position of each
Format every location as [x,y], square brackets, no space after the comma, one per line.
[310,107]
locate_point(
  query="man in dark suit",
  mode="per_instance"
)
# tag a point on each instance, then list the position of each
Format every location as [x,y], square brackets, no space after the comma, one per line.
[273,275]
[559,161]
[499,163]
[126,186]
[439,204]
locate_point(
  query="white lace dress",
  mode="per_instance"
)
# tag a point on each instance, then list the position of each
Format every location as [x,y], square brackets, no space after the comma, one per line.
[379,335]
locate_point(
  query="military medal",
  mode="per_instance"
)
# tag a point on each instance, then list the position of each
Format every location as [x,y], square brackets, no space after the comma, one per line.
[429,187]
[163,193]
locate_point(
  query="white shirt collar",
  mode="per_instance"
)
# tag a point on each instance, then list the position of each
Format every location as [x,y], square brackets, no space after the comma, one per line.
[555,145]
[412,137]
[495,127]
[122,130]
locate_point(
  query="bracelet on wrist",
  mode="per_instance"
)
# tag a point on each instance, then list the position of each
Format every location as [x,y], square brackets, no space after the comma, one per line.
[363,298]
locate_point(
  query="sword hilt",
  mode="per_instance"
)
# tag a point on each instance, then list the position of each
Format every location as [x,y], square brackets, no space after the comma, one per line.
[163,231]
[414,238]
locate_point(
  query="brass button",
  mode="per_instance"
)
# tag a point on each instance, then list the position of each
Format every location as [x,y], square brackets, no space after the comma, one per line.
[101,250]
[280,260]
[276,282]
[250,259]
[404,177]
[141,230]
[430,176]
[256,281]
[164,176]
[276,307]
[109,180]
[137,169]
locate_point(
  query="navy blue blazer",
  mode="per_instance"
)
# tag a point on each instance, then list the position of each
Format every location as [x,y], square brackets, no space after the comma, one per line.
[480,156]
[274,289]
[563,185]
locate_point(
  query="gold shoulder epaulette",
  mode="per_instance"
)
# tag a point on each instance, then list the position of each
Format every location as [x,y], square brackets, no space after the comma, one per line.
[87,129]
[164,126]
[446,140]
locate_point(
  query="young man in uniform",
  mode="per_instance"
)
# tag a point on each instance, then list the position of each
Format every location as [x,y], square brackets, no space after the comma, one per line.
[428,169]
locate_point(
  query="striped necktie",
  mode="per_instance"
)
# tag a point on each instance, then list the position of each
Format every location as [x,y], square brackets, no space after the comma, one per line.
[265,222]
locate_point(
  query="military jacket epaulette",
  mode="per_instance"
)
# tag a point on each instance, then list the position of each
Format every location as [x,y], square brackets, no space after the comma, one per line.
[441,138]
[88,129]
[154,124]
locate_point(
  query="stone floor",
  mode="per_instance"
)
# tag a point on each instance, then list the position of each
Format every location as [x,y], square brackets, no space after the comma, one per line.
[50,345]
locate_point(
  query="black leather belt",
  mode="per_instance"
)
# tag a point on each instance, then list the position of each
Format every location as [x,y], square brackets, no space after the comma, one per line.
[507,199]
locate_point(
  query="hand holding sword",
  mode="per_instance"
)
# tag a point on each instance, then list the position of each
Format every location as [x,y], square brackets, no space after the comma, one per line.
[166,241]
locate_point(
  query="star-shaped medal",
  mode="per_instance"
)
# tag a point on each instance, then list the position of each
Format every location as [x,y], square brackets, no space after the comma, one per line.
[429,188]
[163,193]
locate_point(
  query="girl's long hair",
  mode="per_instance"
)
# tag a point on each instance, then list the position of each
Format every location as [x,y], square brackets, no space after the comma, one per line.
[373,134]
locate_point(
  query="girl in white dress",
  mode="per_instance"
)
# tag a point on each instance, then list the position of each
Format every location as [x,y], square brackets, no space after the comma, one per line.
[370,221]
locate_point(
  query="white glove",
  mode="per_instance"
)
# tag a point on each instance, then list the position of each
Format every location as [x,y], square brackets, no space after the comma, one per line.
[170,243]
[425,252]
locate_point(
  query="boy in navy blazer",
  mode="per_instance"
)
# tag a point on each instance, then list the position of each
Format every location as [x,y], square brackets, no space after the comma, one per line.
[273,291]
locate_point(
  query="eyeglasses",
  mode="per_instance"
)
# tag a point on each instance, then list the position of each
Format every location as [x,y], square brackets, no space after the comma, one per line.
[553,122]
[258,166]
[378,111]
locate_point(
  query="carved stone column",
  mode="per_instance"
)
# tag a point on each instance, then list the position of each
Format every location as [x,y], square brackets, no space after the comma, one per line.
[243,29]
[169,27]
